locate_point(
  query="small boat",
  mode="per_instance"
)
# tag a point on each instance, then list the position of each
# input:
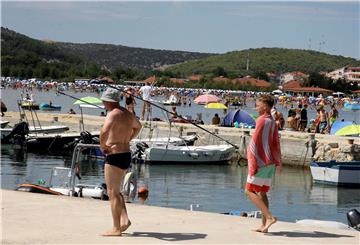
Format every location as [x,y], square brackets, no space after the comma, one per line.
[29,105]
[208,154]
[63,181]
[135,144]
[336,173]
[37,129]
[173,100]
[50,107]
[4,123]
[163,141]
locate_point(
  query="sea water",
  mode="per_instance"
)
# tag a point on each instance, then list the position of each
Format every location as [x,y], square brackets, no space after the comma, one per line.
[211,188]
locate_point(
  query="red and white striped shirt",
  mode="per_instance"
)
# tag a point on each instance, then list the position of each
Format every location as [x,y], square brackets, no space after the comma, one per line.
[264,146]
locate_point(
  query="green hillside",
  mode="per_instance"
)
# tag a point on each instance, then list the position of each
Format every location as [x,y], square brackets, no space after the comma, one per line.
[25,57]
[111,56]
[262,60]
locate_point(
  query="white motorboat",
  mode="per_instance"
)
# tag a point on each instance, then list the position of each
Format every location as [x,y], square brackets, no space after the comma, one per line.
[163,141]
[209,154]
[63,181]
[4,123]
[37,129]
[173,100]
[336,173]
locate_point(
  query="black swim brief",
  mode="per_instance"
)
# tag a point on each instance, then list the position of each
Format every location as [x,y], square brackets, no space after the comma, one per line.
[120,160]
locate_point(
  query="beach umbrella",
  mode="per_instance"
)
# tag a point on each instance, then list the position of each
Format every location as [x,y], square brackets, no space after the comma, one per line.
[337,125]
[338,94]
[277,91]
[353,129]
[88,100]
[206,99]
[216,106]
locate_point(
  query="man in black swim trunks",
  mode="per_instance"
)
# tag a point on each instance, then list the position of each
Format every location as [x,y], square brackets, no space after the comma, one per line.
[119,128]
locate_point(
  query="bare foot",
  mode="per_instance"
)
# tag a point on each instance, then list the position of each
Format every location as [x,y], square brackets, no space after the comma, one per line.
[113,232]
[269,222]
[125,227]
[260,229]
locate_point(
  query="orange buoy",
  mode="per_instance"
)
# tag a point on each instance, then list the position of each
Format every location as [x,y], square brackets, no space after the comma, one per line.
[143,190]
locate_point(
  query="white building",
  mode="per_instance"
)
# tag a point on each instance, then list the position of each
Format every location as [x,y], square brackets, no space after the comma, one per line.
[350,74]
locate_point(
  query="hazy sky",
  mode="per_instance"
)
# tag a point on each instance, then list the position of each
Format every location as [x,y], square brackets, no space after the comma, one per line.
[215,27]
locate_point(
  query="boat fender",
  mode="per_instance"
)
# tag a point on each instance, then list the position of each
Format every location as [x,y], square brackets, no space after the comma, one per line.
[129,187]
[353,217]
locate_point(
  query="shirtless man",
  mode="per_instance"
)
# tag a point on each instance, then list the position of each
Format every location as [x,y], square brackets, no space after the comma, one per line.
[323,116]
[119,128]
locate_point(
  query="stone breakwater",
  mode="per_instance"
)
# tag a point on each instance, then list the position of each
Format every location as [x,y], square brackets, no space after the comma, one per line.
[334,151]
[298,148]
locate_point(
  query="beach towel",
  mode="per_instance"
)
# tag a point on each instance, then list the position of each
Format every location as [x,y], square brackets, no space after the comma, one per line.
[264,146]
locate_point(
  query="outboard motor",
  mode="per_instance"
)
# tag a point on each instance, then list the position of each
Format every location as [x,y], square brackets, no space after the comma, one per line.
[17,135]
[85,138]
[138,154]
[353,217]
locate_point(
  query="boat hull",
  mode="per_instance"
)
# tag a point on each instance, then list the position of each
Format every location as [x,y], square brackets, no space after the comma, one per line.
[211,154]
[336,173]
[47,107]
[29,105]
[37,189]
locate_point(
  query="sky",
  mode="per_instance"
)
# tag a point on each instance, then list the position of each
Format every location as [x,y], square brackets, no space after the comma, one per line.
[211,27]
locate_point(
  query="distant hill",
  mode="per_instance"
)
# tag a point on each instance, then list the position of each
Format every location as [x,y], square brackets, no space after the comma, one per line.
[275,60]
[25,57]
[111,56]
[16,48]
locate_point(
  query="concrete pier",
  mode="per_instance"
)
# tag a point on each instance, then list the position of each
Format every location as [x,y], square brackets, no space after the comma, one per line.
[29,218]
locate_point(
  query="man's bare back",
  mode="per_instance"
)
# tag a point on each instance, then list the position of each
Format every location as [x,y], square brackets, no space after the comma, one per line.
[119,128]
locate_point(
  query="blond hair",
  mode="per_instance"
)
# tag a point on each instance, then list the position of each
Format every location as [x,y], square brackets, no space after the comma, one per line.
[267,99]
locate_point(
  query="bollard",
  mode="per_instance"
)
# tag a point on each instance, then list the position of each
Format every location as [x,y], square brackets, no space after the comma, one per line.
[195,207]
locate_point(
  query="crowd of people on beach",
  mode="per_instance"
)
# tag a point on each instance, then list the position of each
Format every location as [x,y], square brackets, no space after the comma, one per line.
[297,107]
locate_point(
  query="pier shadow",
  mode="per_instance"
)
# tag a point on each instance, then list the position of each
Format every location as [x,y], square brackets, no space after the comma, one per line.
[170,237]
[312,234]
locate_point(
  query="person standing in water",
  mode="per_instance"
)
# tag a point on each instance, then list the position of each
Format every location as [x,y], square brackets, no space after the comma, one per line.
[119,128]
[263,156]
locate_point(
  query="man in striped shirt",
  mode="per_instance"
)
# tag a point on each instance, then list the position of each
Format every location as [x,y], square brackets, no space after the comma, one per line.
[263,156]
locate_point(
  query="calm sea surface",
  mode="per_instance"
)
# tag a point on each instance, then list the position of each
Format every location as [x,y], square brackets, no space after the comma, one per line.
[216,188]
